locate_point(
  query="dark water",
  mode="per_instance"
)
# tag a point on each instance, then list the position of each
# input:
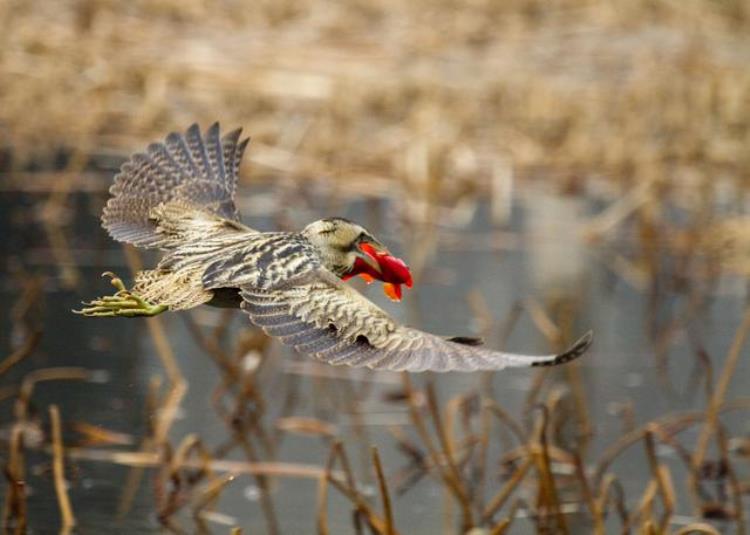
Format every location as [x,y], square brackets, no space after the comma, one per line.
[545,259]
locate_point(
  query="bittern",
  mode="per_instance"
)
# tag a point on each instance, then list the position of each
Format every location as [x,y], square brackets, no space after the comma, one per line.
[178,197]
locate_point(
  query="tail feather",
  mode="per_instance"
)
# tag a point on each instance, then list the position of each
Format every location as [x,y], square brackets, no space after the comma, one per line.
[185,168]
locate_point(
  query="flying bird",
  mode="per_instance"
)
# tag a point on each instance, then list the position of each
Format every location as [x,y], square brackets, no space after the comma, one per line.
[178,196]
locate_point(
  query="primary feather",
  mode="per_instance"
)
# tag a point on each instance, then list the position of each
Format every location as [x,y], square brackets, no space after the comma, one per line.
[319,315]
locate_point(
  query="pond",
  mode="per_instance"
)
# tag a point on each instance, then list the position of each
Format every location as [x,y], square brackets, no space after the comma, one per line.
[511,283]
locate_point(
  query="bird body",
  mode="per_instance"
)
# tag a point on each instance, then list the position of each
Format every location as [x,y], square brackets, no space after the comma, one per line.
[179,197]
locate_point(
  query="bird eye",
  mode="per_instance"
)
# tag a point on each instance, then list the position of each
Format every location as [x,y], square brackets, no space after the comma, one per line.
[361,238]
[364,238]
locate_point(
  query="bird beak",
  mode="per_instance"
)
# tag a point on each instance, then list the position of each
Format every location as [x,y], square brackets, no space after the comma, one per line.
[368,253]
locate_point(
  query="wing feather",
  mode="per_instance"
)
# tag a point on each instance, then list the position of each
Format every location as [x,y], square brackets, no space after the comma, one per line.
[184,168]
[320,316]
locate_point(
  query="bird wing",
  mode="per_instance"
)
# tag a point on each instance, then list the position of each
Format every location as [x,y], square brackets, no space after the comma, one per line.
[330,321]
[187,169]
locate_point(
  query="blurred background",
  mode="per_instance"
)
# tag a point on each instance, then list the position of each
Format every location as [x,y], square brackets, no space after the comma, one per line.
[545,168]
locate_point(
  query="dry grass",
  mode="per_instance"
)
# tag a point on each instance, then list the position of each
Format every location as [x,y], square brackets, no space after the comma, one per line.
[444,102]
[436,98]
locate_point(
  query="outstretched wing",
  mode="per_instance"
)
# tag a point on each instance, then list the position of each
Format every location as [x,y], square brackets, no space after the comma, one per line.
[186,168]
[330,321]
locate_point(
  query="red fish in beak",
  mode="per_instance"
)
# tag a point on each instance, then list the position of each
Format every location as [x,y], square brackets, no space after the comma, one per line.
[377,263]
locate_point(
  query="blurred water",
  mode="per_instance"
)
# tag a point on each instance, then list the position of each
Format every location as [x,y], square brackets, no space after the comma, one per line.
[548,262]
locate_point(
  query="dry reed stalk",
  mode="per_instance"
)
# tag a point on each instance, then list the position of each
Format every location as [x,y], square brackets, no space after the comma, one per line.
[557,455]
[418,466]
[423,464]
[26,348]
[696,302]
[699,527]
[674,423]
[503,416]
[548,494]
[184,449]
[307,426]
[384,496]
[586,493]
[210,494]
[543,322]
[211,346]
[660,475]
[732,477]
[321,515]
[452,473]
[143,459]
[498,500]
[351,403]
[608,220]
[262,480]
[168,491]
[714,406]
[95,434]
[626,413]
[645,507]
[178,386]
[135,475]
[703,370]
[504,524]
[347,486]
[501,527]
[180,484]
[564,311]
[485,427]
[649,528]
[58,467]
[454,405]
[604,497]
[419,424]
[363,510]
[489,408]
[631,272]
[15,515]
[30,380]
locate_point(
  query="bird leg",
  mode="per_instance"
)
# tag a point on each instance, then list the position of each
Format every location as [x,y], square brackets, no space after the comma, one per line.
[122,304]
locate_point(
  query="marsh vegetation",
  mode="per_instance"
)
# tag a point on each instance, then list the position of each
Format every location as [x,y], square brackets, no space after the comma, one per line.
[545,168]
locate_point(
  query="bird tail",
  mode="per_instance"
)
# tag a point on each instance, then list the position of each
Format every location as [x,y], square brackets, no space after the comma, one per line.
[187,169]
[578,348]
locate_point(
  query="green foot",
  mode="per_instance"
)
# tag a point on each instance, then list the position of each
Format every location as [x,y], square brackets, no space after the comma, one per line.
[122,304]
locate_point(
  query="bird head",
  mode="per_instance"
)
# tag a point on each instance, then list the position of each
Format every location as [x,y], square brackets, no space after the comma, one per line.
[348,250]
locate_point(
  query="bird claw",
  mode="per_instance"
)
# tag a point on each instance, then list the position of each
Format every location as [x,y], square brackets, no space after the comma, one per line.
[116,282]
[122,304]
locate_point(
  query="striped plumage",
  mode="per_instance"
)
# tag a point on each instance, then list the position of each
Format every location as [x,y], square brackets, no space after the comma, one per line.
[178,197]
[183,167]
